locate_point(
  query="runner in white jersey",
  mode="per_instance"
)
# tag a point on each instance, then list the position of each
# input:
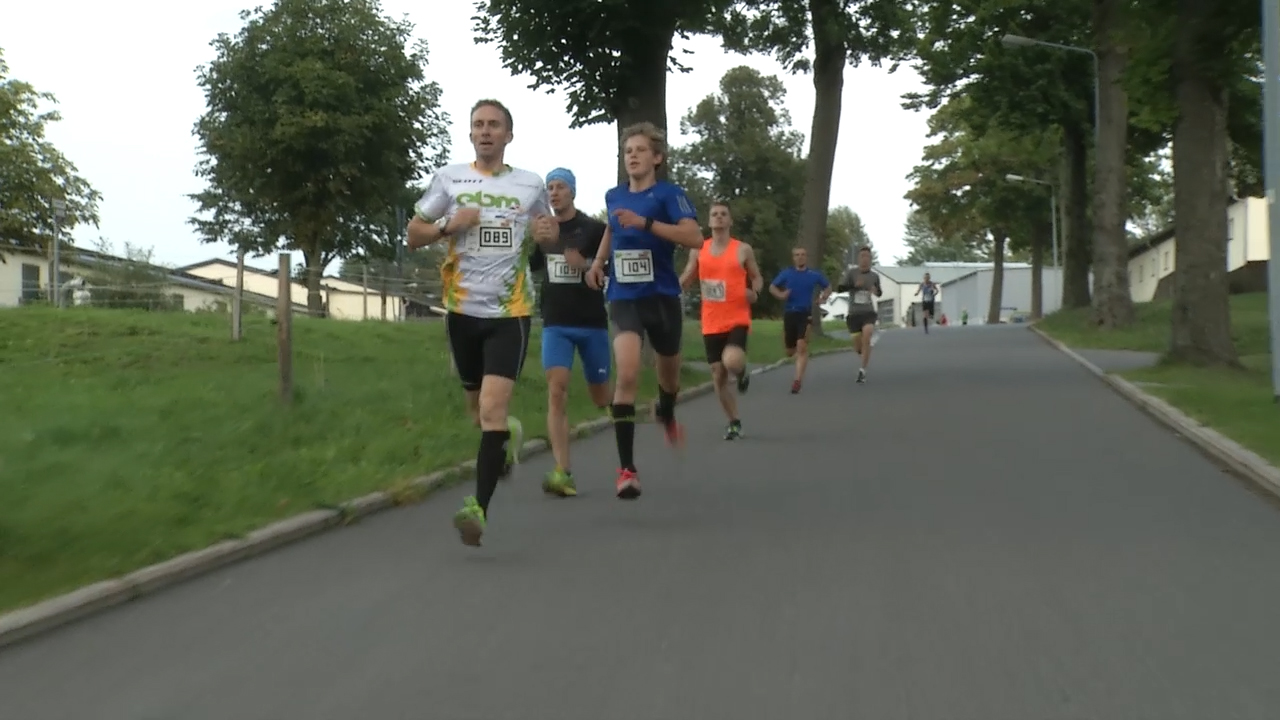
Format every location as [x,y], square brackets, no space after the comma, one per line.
[485,211]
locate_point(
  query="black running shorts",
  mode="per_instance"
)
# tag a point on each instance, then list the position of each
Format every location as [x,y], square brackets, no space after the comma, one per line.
[857,321]
[658,317]
[927,306]
[795,327]
[716,343]
[486,346]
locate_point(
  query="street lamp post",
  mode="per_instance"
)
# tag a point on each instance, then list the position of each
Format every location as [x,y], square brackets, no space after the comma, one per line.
[1053,207]
[55,271]
[1020,41]
[1271,145]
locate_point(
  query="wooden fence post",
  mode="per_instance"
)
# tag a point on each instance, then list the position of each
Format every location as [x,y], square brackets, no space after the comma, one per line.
[284,329]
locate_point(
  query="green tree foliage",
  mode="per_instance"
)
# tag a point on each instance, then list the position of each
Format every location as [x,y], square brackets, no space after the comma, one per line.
[318,113]
[925,246]
[845,235]
[839,32]
[610,58]
[33,173]
[745,153]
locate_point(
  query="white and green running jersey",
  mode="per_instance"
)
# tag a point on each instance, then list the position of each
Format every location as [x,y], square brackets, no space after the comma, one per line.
[486,269]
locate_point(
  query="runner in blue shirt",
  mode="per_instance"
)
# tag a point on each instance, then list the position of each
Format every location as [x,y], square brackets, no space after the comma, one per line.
[647,220]
[794,286]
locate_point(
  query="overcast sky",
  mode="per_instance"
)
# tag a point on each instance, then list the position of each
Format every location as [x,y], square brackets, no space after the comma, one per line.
[124,75]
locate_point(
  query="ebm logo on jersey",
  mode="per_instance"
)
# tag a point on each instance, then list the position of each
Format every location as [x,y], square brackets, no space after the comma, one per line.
[485,200]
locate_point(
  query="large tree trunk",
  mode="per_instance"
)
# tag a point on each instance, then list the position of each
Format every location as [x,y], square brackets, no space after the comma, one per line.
[1112,303]
[830,53]
[1201,319]
[644,96]
[315,268]
[1041,238]
[1076,249]
[998,238]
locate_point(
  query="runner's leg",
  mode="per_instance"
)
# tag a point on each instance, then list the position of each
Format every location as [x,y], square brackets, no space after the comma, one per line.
[557,362]
[802,347]
[504,343]
[626,349]
[715,348]
[868,328]
[735,356]
[468,362]
[665,330]
[791,332]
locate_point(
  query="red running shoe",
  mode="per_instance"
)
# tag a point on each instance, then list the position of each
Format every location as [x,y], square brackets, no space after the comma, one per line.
[628,485]
[795,387]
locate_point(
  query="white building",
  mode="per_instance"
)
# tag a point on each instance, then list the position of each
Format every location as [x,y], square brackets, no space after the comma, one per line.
[961,285]
[1153,260]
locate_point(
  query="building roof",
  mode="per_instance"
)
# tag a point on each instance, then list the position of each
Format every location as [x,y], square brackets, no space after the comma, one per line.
[273,273]
[1141,245]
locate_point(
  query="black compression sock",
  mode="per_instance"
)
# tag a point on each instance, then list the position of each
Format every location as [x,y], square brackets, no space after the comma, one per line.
[666,406]
[490,461]
[624,429]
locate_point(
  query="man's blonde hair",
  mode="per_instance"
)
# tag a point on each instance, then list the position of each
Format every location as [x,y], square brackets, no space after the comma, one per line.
[657,138]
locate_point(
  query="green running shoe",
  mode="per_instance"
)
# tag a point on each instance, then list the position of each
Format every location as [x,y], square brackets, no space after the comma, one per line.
[470,522]
[734,431]
[558,482]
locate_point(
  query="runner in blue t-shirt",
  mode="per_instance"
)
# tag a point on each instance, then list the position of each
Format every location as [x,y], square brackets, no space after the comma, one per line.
[794,286]
[647,220]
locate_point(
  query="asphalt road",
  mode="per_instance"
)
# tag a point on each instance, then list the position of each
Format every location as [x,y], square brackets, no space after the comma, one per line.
[982,532]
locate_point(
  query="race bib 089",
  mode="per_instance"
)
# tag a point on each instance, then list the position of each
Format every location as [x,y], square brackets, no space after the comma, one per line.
[491,239]
[713,291]
[633,266]
[560,272]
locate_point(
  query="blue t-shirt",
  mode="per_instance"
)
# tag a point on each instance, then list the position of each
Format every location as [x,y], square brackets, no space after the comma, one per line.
[641,263]
[801,283]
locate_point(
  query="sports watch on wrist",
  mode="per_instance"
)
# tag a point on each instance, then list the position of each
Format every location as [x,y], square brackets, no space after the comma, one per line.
[442,224]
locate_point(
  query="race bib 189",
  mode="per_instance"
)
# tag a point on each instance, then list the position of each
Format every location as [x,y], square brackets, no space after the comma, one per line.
[862,297]
[491,239]
[713,291]
[633,266]
[560,272]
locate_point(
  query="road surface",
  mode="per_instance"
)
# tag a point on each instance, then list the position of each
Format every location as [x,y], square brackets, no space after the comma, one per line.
[982,532]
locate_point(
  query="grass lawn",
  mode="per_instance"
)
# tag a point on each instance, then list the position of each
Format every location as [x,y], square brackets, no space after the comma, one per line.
[1239,404]
[130,437]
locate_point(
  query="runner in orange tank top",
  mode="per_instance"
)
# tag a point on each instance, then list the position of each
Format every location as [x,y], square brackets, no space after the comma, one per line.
[730,281]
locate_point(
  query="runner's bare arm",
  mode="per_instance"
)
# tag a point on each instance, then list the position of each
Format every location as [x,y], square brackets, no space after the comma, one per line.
[826,289]
[690,271]
[595,274]
[424,228]
[753,269]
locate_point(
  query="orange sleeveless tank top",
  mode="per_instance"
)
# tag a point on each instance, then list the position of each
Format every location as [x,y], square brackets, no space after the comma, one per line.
[724,289]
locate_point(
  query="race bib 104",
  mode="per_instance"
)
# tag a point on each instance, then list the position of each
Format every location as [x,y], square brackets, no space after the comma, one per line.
[560,272]
[713,291]
[633,266]
[491,239]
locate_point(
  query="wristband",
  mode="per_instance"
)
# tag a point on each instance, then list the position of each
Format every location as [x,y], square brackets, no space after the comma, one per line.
[648,224]
[442,225]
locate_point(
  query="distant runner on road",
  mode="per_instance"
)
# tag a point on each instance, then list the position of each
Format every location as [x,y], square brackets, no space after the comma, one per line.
[863,285]
[574,321]
[648,219]
[928,291]
[482,210]
[795,286]
[730,281]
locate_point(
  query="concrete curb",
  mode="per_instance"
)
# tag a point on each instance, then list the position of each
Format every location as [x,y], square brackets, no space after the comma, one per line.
[32,620]
[1241,461]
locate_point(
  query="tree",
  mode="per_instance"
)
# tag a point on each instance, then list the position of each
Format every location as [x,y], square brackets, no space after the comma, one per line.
[33,173]
[317,113]
[609,58]
[745,153]
[840,32]
[925,246]
[845,235]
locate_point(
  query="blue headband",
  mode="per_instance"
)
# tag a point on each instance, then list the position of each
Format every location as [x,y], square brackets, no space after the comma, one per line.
[565,176]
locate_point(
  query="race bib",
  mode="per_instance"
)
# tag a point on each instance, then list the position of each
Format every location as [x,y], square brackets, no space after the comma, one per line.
[862,297]
[713,291]
[633,266]
[487,239]
[560,272]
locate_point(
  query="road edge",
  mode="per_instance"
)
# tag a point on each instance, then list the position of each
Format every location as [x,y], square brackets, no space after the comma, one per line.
[1239,460]
[27,622]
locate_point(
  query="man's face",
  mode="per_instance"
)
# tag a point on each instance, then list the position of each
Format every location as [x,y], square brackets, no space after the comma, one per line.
[489,132]
[864,260]
[720,219]
[560,194]
[799,258]
[639,157]
[926,279]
